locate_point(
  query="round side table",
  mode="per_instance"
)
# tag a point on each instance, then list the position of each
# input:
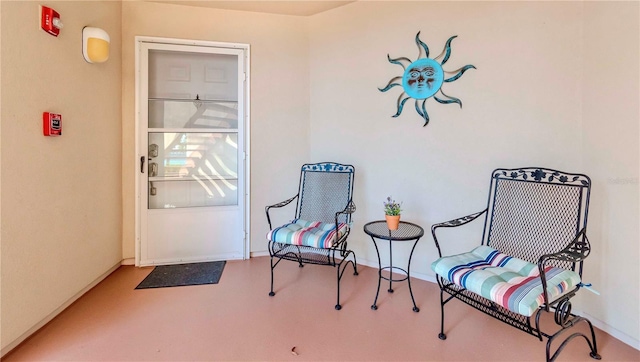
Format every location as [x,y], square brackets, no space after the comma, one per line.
[406,232]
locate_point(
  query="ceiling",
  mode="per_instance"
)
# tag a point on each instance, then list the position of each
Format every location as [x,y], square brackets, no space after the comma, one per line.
[290,7]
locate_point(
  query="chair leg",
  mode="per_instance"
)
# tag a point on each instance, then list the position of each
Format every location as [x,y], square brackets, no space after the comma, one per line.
[355,264]
[271,293]
[340,270]
[441,335]
[594,349]
[299,257]
[338,306]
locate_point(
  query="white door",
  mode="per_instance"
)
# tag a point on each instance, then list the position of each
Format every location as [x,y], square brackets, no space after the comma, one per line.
[191,100]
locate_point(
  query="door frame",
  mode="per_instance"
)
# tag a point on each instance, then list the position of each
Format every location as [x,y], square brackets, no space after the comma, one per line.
[246,159]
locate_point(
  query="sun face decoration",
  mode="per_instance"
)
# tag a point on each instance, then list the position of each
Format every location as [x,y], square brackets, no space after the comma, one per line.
[423,78]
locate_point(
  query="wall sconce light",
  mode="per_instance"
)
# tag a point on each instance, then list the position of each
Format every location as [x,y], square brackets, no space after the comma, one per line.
[95,45]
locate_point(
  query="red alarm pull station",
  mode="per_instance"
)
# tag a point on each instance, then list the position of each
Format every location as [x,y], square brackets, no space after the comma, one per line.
[52,124]
[50,20]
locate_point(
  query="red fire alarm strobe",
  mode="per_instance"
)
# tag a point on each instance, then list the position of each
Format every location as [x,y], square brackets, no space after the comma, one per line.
[50,20]
[51,124]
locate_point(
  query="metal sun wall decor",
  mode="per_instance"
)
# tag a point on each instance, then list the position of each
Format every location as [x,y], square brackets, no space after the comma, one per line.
[423,78]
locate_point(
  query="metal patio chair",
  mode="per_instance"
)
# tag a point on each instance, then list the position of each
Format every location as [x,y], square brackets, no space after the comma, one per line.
[322,221]
[531,256]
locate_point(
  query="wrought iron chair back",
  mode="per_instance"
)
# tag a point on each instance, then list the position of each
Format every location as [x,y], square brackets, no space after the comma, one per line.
[532,212]
[324,192]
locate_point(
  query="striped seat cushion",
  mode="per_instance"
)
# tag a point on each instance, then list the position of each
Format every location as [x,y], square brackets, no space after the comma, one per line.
[308,233]
[510,282]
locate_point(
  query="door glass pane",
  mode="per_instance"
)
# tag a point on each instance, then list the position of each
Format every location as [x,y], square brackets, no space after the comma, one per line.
[187,76]
[192,114]
[192,169]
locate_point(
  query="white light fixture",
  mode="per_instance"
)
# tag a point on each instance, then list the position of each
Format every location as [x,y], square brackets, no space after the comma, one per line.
[95,45]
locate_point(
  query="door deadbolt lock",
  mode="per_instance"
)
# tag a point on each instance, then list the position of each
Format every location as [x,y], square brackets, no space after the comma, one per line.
[153,150]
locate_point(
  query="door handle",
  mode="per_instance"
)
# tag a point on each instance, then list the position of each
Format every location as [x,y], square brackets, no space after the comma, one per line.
[153,169]
[142,164]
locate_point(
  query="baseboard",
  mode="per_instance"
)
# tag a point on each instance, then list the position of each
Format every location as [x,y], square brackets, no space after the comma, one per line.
[613,332]
[53,314]
[255,254]
[421,276]
[128,261]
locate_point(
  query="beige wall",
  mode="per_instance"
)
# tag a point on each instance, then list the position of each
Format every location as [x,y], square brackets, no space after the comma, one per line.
[521,106]
[279,96]
[556,86]
[61,197]
[611,156]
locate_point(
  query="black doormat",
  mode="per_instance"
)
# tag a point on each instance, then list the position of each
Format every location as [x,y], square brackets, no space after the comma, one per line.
[183,274]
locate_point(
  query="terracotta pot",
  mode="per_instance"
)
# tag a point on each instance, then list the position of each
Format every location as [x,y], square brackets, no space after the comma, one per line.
[392,221]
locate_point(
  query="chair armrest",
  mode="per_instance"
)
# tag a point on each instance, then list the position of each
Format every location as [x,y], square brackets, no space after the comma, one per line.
[278,205]
[576,252]
[453,223]
[349,209]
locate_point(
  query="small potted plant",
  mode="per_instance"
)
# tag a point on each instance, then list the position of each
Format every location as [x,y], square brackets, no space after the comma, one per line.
[392,211]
